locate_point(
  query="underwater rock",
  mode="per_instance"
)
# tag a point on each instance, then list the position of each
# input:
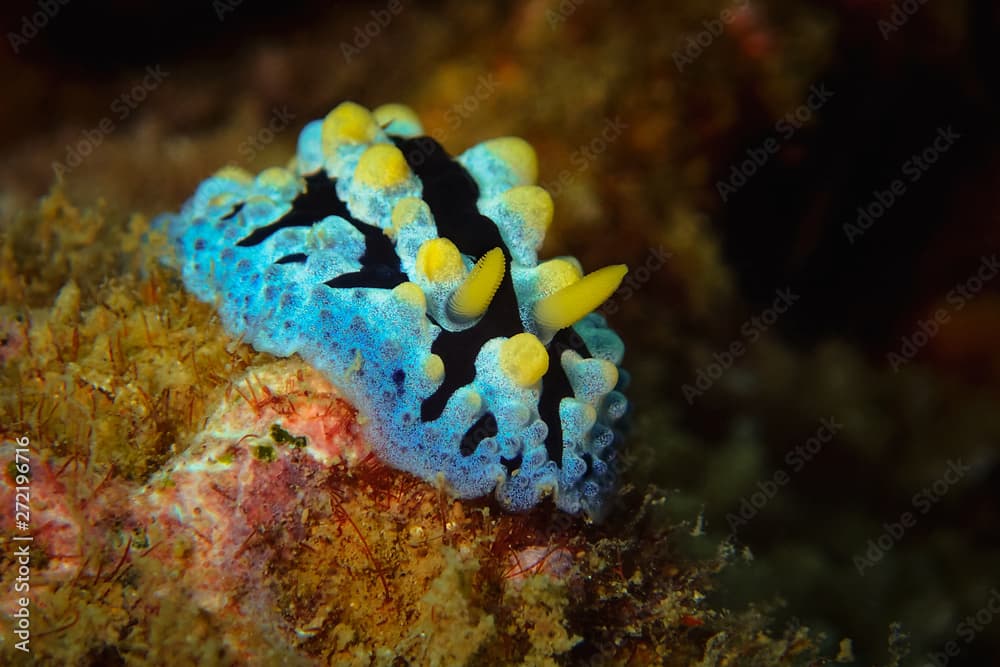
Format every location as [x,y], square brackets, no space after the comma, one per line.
[244,487]
[278,522]
[411,280]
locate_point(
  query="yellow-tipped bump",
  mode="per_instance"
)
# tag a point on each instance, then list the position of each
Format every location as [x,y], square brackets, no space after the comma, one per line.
[556,274]
[434,368]
[278,178]
[411,294]
[440,260]
[533,204]
[573,302]
[474,400]
[387,113]
[524,359]
[473,296]
[406,211]
[348,123]
[235,174]
[518,155]
[382,166]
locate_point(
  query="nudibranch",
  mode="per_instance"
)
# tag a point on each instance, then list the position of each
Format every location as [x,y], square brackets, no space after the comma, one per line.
[411,280]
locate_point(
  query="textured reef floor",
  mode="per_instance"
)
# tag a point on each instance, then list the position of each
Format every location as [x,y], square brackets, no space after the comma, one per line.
[196,502]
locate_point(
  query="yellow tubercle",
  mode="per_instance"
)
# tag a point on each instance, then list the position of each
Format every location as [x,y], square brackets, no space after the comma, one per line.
[223,199]
[474,295]
[385,114]
[589,415]
[474,400]
[236,174]
[382,166]
[573,302]
[533,204]
[518,155]
[434,368]
[555,274]
[411,294]
[406,211]
[347,123]
[609,374]
[276,177]
[524,359]
[440,260]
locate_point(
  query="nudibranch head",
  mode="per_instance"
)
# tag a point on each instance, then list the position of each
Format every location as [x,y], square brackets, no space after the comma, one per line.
[411,280]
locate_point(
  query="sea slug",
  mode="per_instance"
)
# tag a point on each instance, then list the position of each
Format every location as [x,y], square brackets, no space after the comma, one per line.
[411,280]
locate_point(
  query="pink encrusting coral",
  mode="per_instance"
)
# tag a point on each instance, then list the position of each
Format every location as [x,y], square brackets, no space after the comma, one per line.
[240,494]
[217,515]
[257,457]
[276,516]
[554,561]
[61,513]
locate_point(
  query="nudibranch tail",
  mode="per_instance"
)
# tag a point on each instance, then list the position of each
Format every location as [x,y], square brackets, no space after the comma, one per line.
[411,279]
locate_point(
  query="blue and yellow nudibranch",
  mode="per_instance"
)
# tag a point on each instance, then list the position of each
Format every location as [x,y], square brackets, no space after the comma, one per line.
[411,279]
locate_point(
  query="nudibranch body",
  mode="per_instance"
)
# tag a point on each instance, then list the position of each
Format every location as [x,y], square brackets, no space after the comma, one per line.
[411,280]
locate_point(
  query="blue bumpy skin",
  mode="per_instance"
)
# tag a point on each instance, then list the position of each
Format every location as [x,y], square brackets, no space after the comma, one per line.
[411,279]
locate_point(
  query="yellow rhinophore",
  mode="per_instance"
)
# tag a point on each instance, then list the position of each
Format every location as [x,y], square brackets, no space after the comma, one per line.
[473,296]
[533,204]
[347,123]
[571,303]
[524,359]
[440,260]
[382,166]
[517,154]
